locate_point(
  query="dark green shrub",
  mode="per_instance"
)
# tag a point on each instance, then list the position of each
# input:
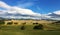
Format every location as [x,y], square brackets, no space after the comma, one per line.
[2,22]
[15,23]
[22,27]
[33,23]
[36,23]
[24,23]
[39,26]
[9,23]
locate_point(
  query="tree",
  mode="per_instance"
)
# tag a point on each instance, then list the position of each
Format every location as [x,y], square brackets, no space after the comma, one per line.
[23,26]
[2,22]
[39,26]
[9,23]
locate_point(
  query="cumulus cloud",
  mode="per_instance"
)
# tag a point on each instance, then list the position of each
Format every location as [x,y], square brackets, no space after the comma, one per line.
[57,12]
[4,5]
[15,10]
[54,15]
[49,13]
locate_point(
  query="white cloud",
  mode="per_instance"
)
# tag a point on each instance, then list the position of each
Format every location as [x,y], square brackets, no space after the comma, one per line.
[2,11]
[57,12]
[15,10]
[49,13]
[4,5]
[54,15]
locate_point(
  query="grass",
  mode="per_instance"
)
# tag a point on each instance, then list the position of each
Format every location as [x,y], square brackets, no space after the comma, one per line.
[15,30]
[30,33]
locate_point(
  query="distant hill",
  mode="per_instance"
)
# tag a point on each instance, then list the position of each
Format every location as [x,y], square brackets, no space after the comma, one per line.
[54,15]
[29,17]
[1,18]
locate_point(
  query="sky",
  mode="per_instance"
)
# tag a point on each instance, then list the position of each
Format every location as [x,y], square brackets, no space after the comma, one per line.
[30,7]
[39,6]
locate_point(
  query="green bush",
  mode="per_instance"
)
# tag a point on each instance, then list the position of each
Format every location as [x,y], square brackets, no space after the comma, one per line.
[2,22]
[39,26]
[9,23]
[22,27]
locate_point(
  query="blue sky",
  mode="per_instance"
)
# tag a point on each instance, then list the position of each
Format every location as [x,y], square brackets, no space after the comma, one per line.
[31,9]
[39,6]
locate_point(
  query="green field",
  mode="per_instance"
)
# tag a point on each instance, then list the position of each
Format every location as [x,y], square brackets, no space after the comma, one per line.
[15,30]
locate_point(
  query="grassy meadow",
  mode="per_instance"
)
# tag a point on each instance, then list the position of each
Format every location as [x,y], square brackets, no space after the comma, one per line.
[49,29]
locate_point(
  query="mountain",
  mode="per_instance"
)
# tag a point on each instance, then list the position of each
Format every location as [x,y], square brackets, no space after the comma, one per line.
[54,16]
[1,18]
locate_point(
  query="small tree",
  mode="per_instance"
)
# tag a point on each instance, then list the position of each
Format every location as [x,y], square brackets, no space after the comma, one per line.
[2,22]
[23,26]
[35,23]
[9,23]
[39,26]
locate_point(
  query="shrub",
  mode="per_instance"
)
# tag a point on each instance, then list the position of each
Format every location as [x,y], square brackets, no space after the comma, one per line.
[22,27]
[39,26]
[2,22]
[16,23]
[9,23]
[35,23]
[24,23]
